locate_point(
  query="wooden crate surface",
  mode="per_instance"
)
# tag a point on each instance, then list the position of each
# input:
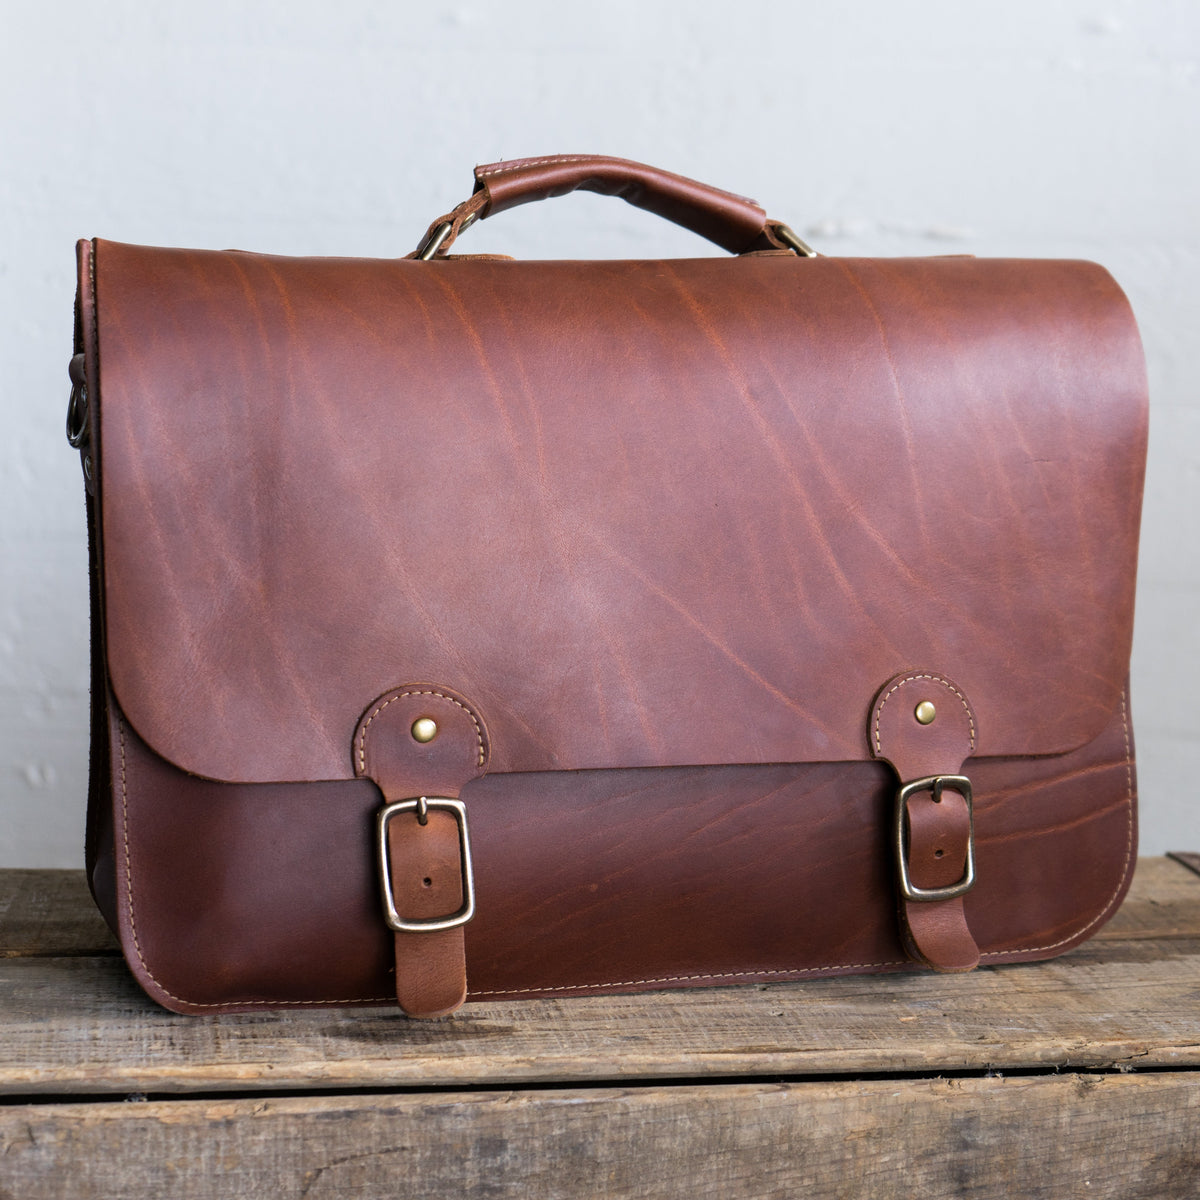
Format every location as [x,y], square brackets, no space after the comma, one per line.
[885,1086]
[75,1023]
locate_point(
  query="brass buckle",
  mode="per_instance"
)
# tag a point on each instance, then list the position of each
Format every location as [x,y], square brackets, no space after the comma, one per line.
[420,805]
[936,784]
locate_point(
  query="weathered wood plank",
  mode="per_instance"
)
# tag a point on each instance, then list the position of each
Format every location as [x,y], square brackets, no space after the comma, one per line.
[81,1025]
[1188,858]
[1163,902]
[51,912]
[1040,1138]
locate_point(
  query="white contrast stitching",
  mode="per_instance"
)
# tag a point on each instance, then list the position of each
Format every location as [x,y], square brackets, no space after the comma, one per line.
[935,679]
[362,734]
[747,975]
[1124,871]
[518,164]
[137,944]
[95,308]
[629,982]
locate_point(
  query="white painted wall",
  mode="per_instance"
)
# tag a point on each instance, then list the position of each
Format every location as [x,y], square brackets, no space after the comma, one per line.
[1031,127]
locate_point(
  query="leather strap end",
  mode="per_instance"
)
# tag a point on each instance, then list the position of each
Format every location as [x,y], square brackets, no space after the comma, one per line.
[432,982]
[937,935]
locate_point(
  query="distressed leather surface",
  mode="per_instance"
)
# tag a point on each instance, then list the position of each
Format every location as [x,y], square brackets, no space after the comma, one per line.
[644,514]
[668,528]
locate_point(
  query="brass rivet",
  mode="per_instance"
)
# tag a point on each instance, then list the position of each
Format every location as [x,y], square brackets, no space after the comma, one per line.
[424,729]
[925,713]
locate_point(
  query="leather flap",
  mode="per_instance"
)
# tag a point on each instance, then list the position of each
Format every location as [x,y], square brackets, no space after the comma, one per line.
[640,513]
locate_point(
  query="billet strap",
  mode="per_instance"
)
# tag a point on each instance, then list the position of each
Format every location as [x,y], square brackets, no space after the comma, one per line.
[923,725]
[426,874]
[421,744]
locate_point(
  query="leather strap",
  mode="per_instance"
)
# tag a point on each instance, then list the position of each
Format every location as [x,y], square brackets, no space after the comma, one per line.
[732,222]
[923,725]
[425,858]
[936,932]
[431,967]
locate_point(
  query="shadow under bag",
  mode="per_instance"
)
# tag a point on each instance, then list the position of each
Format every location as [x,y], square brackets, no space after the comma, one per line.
[466,628]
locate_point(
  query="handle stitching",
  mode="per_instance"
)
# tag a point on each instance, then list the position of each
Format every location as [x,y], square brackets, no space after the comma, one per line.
[518,164]
[489,170]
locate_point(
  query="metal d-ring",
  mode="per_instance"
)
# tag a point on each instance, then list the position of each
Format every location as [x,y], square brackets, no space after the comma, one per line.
[440,234]
[77,416]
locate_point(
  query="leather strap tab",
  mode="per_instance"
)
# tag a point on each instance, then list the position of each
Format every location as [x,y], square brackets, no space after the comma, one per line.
[923,725]
[424,741]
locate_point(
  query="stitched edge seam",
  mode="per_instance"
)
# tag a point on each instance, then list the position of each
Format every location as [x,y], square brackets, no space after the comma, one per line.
[747,975]
[518,164]
[95,311]
[1079,933]
[362,733]
[936,679]
[630,982]
[137,946]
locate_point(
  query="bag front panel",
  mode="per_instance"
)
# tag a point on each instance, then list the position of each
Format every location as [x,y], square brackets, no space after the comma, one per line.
[238,896]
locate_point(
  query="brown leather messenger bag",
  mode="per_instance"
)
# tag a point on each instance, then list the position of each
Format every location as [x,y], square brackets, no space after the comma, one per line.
[466,628]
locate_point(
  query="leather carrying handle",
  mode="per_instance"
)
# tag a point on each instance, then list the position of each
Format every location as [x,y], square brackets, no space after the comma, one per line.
[732,222]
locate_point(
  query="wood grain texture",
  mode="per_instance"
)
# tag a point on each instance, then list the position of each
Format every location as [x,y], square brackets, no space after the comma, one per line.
[640,1101]
[82,1025]
[1188,858]
[1163,902]
[50,913]
[1038,1138]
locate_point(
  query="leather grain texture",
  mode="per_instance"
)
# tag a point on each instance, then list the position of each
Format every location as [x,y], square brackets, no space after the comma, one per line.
[642,514]
[662,532]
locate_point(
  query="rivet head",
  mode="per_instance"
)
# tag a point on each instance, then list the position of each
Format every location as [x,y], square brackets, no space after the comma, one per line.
[925,712]
[424,729]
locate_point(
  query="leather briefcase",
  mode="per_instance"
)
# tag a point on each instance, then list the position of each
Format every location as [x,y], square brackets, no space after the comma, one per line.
[471,628]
